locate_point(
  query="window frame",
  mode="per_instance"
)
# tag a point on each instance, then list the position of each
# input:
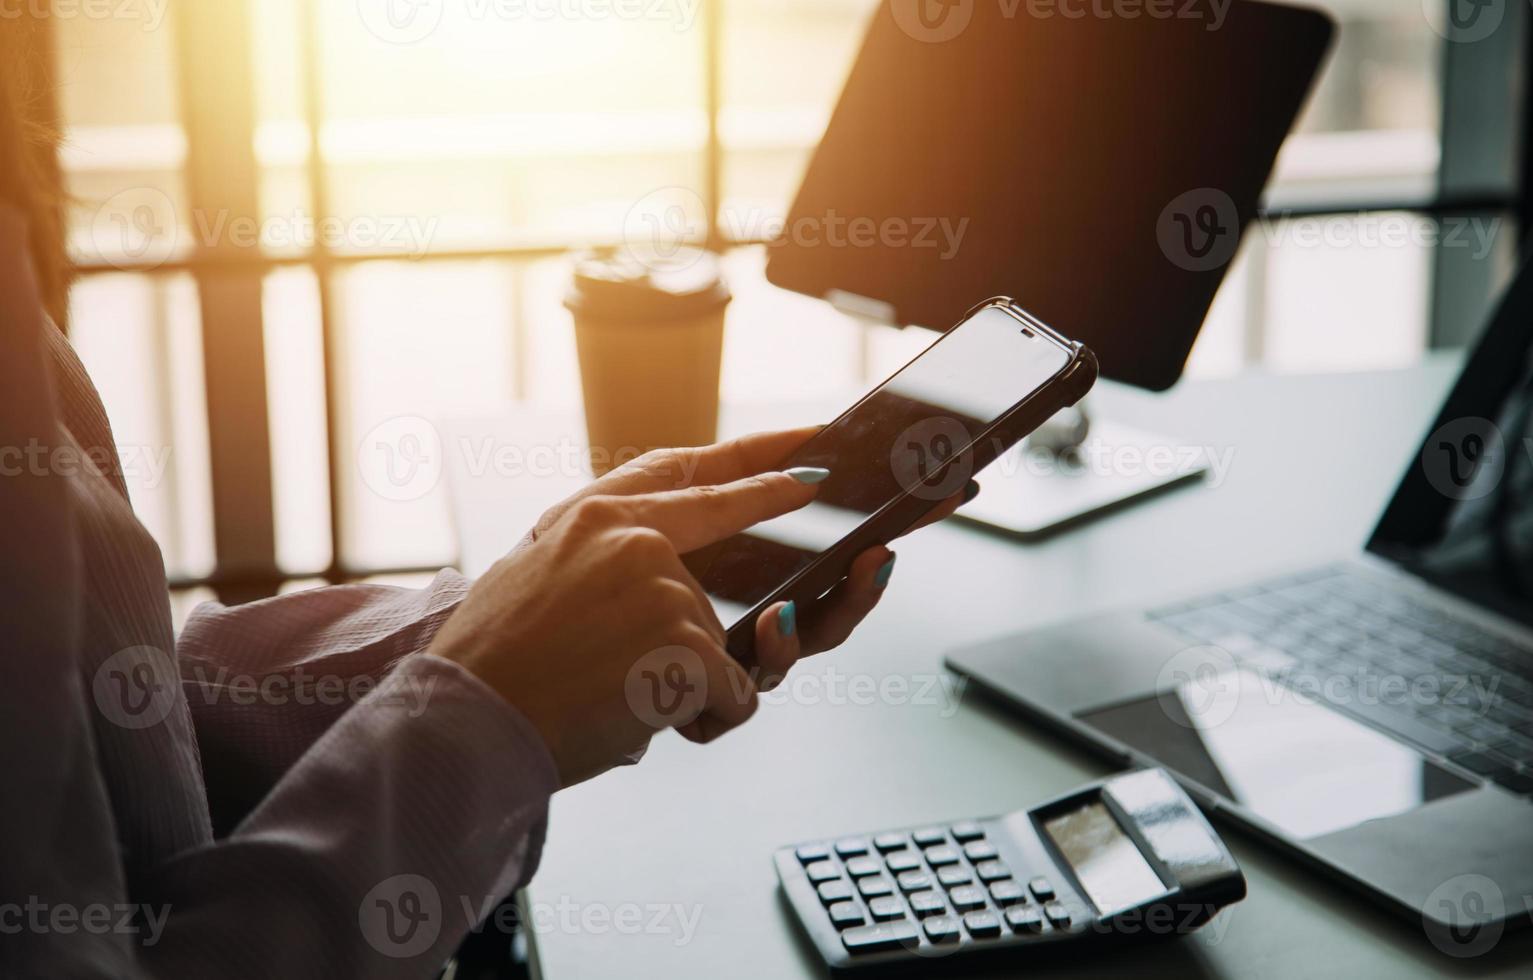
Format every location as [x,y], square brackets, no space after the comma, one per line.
[222,173]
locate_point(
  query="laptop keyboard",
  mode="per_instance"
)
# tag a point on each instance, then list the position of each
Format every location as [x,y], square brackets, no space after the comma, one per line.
[1409,668]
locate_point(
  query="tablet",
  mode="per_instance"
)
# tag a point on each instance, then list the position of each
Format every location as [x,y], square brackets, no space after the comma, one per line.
[1098,169]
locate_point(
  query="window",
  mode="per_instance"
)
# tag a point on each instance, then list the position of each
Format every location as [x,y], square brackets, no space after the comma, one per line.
[417,170]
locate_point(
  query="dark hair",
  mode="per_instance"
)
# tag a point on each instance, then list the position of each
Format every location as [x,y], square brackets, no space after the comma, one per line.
[30,181]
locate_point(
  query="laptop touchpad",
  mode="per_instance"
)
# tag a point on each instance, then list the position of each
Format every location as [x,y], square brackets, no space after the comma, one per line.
[1294,763]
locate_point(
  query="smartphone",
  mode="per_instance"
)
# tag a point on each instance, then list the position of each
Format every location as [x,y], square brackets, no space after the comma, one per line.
[910,444]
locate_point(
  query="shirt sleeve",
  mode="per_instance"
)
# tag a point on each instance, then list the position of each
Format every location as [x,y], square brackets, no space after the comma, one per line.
[371,858]
[378,851]
[320,719]
[265,680]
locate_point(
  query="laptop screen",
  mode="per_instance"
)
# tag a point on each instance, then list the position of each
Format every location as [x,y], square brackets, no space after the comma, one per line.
[1463,514]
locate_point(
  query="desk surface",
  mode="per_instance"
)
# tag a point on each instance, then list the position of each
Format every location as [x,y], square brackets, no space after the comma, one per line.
[663,869]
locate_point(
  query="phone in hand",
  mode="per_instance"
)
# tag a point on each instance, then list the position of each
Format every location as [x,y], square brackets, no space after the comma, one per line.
[903,449]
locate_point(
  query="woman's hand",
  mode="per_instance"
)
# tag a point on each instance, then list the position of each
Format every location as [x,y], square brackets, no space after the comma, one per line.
[595,630]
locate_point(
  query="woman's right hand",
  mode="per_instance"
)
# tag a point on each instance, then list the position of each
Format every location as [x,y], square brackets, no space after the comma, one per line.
[598,634]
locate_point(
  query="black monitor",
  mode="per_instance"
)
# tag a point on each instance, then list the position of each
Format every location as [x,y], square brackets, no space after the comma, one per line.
[1099,169]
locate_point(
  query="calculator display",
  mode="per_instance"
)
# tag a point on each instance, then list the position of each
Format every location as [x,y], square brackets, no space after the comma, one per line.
[1108,865]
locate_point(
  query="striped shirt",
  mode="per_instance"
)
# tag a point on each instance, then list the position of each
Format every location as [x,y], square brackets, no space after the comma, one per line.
[294,789]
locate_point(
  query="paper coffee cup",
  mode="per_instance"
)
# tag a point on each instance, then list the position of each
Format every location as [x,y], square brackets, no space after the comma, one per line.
[650,334]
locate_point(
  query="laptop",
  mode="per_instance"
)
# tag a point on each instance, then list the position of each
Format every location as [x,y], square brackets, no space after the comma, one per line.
[1373,714]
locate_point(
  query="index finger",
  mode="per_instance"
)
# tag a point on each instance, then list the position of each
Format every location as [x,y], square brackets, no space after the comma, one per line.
[698,516]
[733,459]
[675,469]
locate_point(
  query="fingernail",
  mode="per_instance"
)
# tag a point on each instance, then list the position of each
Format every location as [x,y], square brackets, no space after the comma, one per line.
[787,619]
[971,491]
[881,580]
[808,474]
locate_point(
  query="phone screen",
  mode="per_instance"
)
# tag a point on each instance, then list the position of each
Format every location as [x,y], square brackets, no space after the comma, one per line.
[894,441]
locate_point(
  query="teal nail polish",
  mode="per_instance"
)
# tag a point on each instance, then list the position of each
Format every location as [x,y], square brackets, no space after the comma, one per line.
[881,580]
[970,492]
[787,619]
[808,474]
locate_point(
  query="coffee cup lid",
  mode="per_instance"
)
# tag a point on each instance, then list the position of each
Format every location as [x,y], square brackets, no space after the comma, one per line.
[636,285]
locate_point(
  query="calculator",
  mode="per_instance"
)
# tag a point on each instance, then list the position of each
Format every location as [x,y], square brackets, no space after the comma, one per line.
[1128,857]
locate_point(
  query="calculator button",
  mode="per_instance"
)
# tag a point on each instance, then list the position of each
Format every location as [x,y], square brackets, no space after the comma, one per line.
[874,887]
[886,935]
[849,847]
[926,903]
[979,850]
[890,842]
[1042,887]
[861,867]
[941,929]
[915,881]
[886,908]
[1025,919]
[954,875]
[927,836]
[982,925]
[1058,914]
[846,914]
[967,830]
[1008,893]
[967,897]
[810,853]
[835,891]
[992,870]
[823,871]
[940,855]
[903,861]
